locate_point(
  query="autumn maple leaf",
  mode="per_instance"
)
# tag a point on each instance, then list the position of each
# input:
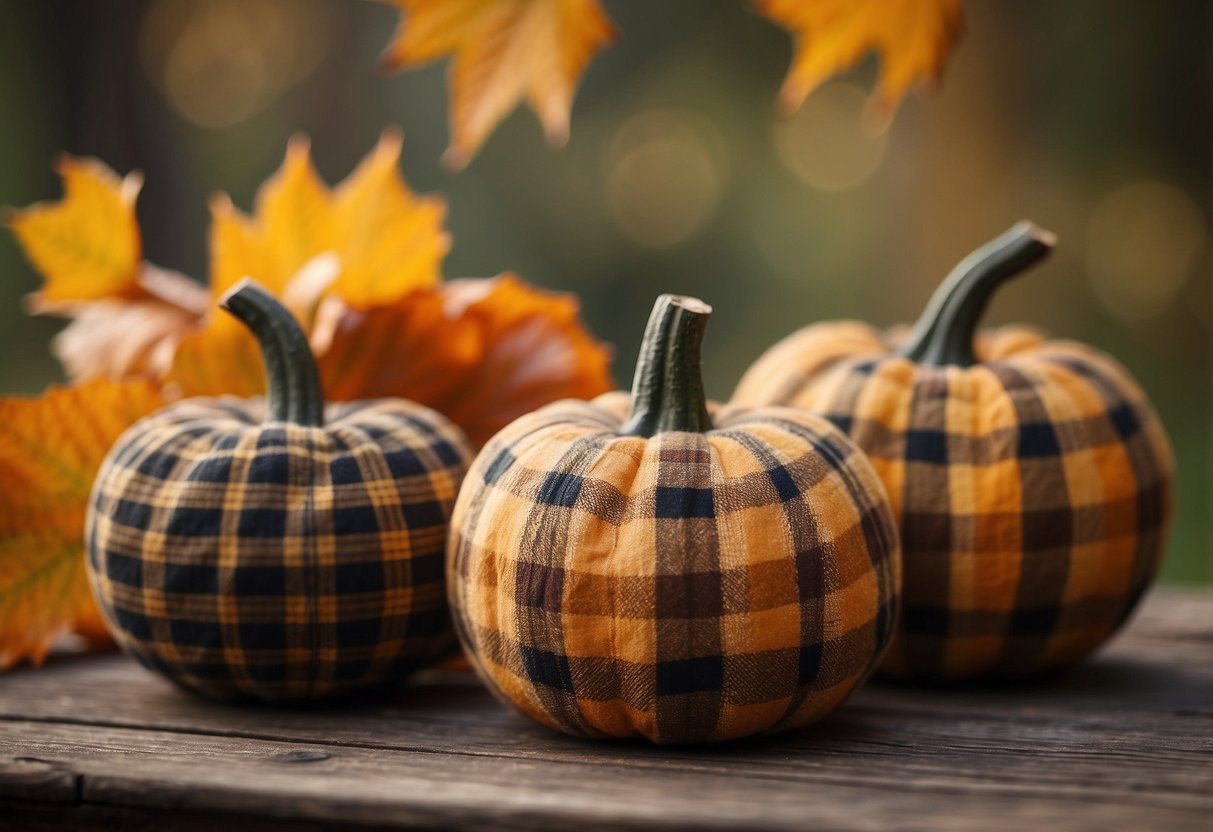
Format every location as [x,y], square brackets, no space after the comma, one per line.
[50,450]
[88,245]
[368,242]
[358,265]
[508,349]
[913,38]
[368,254]
[131,318]
[127,314]
[502,51]
[388,240]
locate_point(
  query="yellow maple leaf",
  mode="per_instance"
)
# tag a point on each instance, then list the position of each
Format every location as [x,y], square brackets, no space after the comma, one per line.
[372,237]
[50,449]
[503,51]
[126,313]
[913,38]
[86,245]
[387,239]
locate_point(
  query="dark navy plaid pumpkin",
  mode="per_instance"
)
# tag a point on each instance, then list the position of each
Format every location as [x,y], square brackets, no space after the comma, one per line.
[281,558]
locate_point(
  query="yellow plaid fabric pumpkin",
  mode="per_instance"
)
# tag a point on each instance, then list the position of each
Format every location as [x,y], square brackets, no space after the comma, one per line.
[278,549]
[663,576]
[1031,478]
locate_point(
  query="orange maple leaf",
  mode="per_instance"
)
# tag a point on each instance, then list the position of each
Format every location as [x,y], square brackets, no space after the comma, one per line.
[450,346]
[913,37]
[369,252]
[503,51]
[50,450]
[507,348]
[86,245]
[357,264]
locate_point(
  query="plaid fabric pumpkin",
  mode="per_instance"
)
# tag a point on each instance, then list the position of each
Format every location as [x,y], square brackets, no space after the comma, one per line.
[685,585]
[277,559]
[1031,478]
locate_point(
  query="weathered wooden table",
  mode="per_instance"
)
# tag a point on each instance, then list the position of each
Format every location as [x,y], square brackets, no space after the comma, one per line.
[1124,742]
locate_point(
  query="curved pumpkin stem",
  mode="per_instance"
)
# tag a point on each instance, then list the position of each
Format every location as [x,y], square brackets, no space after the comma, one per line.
[944,333]
[293,392]
[667,391]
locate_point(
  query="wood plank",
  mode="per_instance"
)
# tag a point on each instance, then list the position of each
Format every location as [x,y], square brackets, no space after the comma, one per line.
[876,738]
[35,816]
[1130,730]
[165,771]
[31,778]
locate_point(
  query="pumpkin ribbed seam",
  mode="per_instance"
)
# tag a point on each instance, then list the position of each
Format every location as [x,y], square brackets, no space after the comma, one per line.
[458,571]
[1034,583]
[889,372]
[346,440]
[1149,463]
[1151,457]
[228,606]
[309,562]
[929,653]
[155,441]
[625,489]
[717,477]
[764,453]
[477,514]
[965,592]
[883,546]
[815,624]
[1060,377]
[186,451]
[683,571]
[507,621]
[547,518]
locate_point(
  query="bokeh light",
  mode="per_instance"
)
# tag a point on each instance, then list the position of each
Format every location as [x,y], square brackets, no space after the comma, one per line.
[220,62]
[666,172]
[827,143]
[677,175]
[1145,240]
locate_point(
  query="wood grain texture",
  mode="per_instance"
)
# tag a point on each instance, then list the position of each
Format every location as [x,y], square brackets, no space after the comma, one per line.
[1122,742]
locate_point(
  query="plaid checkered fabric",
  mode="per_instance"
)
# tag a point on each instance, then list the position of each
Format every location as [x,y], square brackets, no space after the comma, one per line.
[688,587]
[274,560]
[1034,489]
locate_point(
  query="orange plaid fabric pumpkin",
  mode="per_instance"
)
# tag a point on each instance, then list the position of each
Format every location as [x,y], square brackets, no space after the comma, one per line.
[1031,478]
[664,576]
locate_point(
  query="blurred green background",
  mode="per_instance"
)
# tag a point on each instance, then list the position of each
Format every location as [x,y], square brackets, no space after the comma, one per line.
[1091,117]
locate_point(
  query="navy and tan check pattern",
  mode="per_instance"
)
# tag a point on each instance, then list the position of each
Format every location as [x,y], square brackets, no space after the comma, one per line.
[274,560]
[1033,489]
[688,587]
